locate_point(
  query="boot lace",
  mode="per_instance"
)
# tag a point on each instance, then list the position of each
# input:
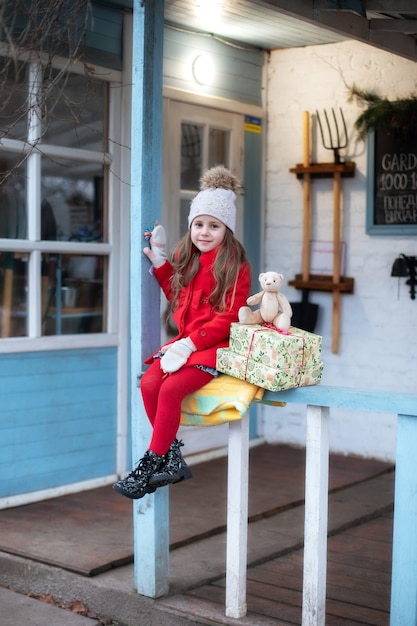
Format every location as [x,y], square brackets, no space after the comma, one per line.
[142,468]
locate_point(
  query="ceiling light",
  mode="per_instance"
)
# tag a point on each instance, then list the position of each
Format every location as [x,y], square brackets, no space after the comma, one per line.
[203,70]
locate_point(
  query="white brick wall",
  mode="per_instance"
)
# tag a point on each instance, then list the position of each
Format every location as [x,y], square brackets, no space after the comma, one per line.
[378,340]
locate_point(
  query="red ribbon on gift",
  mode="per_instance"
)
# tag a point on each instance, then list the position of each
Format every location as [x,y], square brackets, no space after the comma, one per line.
[279,330]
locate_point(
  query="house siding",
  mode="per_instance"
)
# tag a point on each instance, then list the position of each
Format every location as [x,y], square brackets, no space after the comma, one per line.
[58,416]
[104,37]
[238,71]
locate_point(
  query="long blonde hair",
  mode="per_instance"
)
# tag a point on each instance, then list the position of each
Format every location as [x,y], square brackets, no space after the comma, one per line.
[186,262]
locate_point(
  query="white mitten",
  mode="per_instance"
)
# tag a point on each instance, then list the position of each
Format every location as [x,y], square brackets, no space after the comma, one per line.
[177,354]
[157,252]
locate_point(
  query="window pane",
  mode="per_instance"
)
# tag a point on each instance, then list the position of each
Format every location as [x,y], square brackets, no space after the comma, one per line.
[72,294]
[13,99]
[13,294]
[75,111]
[191,155]
[74,107]
[72,207]
[218,147]
[13,222]
[184,211]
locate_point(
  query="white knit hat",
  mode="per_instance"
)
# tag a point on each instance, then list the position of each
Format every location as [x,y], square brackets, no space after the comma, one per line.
[218,203]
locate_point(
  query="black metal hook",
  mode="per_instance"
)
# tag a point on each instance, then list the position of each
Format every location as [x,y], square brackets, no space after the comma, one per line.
[406,266]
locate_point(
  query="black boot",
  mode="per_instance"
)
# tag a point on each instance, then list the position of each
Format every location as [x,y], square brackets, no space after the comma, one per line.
[136,484]
[173,469]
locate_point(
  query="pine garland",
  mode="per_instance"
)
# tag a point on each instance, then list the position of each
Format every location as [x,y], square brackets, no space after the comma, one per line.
[397,117]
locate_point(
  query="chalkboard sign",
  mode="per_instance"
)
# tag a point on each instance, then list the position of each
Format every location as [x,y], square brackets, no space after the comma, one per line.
[392,184]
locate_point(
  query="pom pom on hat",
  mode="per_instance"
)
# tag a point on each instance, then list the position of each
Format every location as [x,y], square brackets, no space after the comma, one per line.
[217,196]
[219,177]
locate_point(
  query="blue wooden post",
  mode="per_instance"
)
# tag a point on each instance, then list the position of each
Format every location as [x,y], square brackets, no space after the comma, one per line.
[151,519]
[404,557]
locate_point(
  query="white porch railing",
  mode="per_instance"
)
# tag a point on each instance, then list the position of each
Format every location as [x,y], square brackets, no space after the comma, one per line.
[318,400]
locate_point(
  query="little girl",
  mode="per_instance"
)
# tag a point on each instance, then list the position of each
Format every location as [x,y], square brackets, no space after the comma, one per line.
[206,283]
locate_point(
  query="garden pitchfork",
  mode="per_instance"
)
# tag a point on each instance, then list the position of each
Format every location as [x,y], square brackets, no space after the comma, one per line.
[338,145]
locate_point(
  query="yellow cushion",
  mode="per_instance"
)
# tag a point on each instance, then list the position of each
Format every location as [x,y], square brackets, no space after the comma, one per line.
[223,399]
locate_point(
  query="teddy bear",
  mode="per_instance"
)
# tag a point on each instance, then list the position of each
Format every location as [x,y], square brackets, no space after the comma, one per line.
[274,307]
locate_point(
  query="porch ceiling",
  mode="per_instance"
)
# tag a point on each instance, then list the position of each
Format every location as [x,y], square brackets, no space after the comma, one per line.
[274,24]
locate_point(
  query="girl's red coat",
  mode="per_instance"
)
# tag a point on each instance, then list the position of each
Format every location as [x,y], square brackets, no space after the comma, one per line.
[195,317]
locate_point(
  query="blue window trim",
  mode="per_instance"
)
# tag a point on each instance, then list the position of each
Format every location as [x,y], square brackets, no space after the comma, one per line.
[371,228]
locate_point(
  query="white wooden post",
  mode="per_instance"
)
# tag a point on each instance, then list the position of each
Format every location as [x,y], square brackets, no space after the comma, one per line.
[237,517]
[151,518]
[404,555]
[315,524]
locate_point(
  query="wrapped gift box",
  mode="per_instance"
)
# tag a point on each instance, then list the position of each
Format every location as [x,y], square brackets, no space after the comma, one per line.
[270,359]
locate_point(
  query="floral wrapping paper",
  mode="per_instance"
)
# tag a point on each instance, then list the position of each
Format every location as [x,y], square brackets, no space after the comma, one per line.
[273,360]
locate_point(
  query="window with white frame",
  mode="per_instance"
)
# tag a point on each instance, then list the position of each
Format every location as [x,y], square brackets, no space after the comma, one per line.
[54,167]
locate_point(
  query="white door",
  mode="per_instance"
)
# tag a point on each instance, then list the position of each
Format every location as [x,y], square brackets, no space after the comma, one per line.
[195,139]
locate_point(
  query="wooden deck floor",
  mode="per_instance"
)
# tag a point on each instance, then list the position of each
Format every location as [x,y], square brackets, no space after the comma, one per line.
[359,548]
[92,532]
[358,581]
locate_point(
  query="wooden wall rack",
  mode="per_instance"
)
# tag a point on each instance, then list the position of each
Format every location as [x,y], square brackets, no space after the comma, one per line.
[324,170]
[335,283]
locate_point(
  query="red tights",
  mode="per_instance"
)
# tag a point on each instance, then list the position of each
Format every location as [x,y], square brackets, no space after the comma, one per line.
[162,397]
